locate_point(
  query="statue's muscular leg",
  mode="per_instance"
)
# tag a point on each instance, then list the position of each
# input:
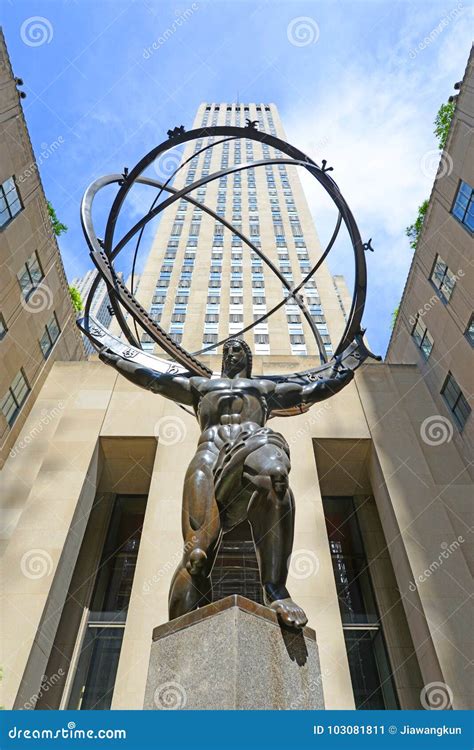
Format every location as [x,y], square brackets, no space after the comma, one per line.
[271,515]
[191,586]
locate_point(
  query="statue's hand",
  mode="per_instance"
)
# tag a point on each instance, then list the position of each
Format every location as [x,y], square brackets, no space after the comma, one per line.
[105,355]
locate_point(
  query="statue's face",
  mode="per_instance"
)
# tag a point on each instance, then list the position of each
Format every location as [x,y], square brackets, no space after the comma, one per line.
[235,359]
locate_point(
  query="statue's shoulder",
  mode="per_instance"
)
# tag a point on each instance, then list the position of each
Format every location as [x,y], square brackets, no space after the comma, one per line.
[204,385]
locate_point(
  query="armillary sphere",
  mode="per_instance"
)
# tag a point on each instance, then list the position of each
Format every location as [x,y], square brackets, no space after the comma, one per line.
[351,350]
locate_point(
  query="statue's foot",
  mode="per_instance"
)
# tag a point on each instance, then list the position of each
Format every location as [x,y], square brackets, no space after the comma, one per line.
[196,562]
[289,613]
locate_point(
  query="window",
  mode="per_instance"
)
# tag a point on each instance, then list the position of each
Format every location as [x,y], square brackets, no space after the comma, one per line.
[50,336]
[463,208]
[469,331]
[10,203]
[3,327]
[456,400]
[30,275]
[209,338]
[261,338]
[14,398]
[101,644]
[366,650]
[443,279]
[422,338]
[297,338]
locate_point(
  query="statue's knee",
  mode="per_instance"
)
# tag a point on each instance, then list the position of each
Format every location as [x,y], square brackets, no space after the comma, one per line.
[195,561]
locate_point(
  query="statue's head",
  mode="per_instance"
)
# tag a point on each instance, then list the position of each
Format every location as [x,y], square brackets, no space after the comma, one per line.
[236,359]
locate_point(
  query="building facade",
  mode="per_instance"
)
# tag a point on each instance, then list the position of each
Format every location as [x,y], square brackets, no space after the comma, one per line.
[382,563]
[435,324]
[37,321]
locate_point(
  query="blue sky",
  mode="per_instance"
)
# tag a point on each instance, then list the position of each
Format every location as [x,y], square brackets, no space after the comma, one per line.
[355,82]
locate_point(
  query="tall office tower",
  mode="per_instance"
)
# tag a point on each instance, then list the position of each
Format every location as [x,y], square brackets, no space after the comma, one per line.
[37,321]
[203,283]
[100,307]
[435,324]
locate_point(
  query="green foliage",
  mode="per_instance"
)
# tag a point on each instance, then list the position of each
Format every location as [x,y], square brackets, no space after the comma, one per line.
[394,317]
[76,299]
[442,123]
[414,230]
[58,227]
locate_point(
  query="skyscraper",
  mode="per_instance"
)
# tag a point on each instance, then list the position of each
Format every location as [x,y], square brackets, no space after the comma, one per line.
[203,283]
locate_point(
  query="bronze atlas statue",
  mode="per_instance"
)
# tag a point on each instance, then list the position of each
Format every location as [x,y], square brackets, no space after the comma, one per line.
[241,467]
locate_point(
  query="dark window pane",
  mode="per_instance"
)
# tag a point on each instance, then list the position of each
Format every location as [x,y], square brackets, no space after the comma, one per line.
[370,671]
[97,668]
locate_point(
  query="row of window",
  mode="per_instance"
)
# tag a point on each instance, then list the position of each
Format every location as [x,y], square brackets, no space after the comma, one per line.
[16,394]
[450,390]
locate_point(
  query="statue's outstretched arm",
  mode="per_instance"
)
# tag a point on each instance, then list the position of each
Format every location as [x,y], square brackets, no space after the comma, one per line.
[175,387]
[290,394]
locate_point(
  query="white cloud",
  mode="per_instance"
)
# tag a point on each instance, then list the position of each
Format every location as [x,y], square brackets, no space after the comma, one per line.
[374,125]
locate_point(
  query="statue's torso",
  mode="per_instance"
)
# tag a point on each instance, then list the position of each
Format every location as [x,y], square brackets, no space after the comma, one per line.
[225,401]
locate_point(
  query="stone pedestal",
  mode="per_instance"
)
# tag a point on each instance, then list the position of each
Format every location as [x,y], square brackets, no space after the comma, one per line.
[233,655]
